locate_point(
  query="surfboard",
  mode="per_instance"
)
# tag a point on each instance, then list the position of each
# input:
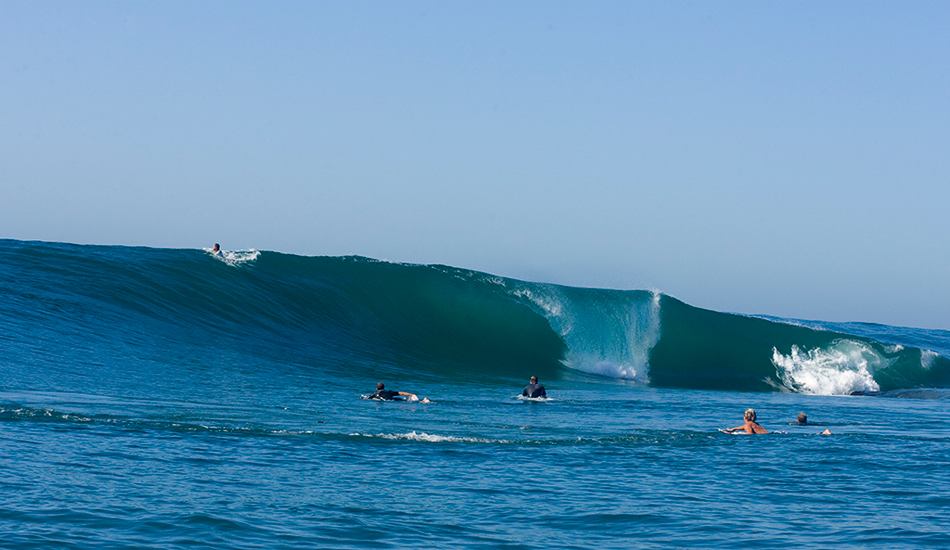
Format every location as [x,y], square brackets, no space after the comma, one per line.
[534,399]
[371,398]
[743,432]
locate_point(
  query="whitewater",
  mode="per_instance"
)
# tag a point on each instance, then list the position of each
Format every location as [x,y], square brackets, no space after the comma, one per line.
[168,398]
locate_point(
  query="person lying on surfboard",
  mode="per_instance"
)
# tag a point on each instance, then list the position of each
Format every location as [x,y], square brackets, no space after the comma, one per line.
[803,421]
[382,394]
[750,426]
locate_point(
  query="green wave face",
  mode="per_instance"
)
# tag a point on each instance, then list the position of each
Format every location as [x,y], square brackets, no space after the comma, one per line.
[336,318]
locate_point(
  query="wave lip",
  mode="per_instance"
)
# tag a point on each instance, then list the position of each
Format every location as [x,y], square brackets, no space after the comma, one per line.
[608,333]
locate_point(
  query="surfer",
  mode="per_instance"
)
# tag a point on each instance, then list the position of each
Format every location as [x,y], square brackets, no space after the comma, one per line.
[750,426]
[382,394]
[534,389]
[216,250]
[803,421]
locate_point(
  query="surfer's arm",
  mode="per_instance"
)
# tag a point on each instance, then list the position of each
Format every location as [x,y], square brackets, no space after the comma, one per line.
[407,394]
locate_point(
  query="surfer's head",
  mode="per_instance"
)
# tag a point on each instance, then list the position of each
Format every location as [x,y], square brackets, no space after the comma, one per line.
[749,415]
[802,419]
[534,379]
[217,247]
[380,386]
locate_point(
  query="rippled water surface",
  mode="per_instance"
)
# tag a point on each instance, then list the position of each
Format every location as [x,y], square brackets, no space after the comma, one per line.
[605,467]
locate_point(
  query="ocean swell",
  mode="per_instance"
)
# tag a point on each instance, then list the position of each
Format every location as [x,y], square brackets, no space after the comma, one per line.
[102,316]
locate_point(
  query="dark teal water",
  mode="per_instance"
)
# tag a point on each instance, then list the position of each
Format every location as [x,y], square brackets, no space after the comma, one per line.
[166,399]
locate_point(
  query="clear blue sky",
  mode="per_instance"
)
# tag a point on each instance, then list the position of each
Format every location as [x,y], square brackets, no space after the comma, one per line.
[790,159]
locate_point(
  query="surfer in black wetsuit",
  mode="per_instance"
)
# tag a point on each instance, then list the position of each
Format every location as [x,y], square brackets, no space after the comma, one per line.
[534,389]
[382,394]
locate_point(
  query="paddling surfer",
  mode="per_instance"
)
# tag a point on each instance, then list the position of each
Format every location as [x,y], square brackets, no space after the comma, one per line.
[750,426]
[382,394]
[803,421]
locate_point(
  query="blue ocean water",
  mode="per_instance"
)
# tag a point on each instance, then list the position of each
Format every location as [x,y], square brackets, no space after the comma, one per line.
[155,398]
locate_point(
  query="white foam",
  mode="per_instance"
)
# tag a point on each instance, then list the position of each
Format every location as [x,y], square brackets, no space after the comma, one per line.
[846,366]
[413,436]
[235,258]
[927,358]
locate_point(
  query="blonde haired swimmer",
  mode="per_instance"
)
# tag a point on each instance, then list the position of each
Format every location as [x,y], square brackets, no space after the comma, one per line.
[750,426]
